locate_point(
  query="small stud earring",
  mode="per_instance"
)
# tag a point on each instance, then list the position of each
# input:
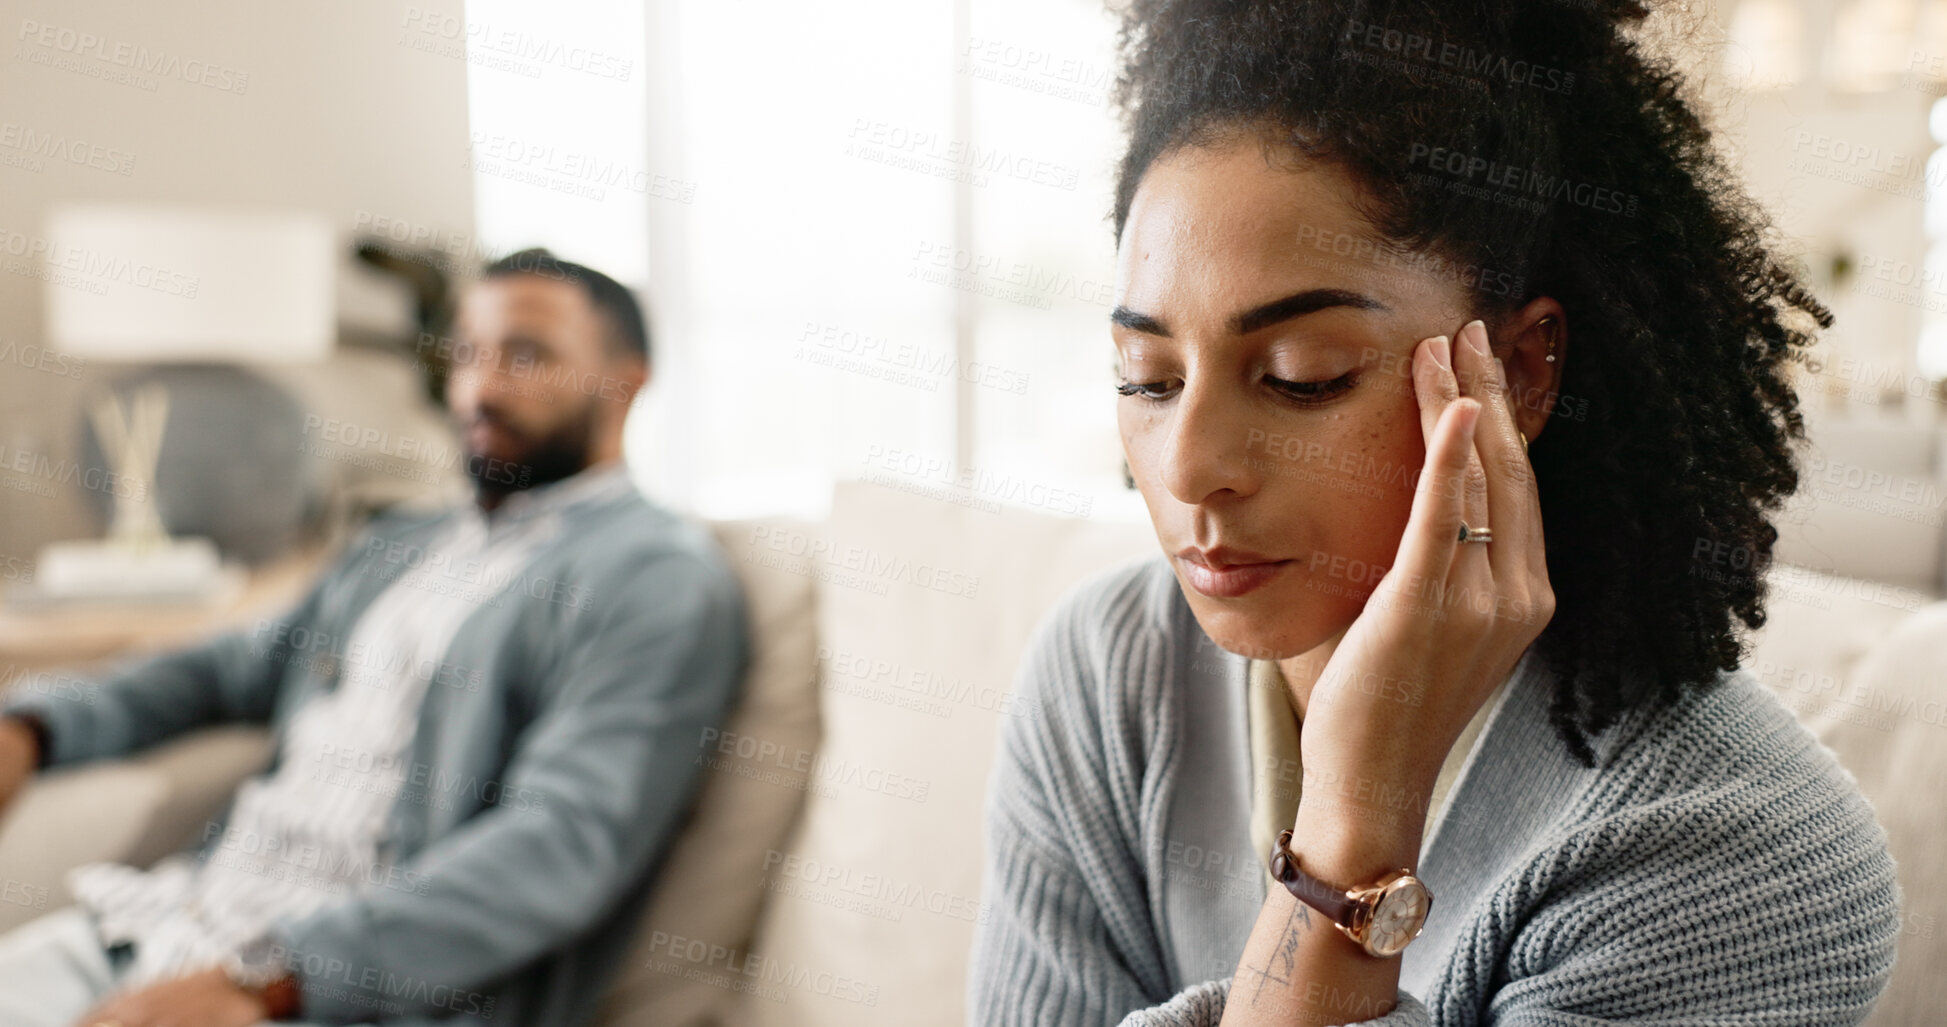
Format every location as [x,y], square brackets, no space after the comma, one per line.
[1551,339]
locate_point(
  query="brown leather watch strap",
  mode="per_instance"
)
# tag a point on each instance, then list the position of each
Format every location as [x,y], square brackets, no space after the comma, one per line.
[281,998]
[43,743]
[1326,898]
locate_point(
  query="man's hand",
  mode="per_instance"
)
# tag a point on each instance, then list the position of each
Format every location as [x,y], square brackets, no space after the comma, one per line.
[20,753]
[206,999]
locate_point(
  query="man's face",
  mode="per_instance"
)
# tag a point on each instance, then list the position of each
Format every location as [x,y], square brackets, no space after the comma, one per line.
[535,387]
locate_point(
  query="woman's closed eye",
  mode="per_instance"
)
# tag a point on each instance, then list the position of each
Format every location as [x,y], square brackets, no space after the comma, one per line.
[1147,390]
[1303,393]
[1312,393]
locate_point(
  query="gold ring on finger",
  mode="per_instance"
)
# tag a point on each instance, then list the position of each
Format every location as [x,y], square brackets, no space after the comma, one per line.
[1480,534]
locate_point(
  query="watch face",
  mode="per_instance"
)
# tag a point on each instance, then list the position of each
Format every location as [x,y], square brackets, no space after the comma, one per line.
[1397,918]
[259,951]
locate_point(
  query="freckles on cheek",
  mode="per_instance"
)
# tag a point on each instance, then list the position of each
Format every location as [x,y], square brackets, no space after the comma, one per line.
[1397,453]
[1393,427]
[1384,456]
[1138,441]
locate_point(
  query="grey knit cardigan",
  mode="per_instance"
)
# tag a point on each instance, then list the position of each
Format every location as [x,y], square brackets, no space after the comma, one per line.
[1717,866]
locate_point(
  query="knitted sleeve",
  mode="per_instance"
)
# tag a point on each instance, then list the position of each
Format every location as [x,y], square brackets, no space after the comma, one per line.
[1069,939]
[1745,882]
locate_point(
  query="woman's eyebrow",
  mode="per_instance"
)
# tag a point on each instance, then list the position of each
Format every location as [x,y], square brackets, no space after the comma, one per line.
[1298,304]
[1138,322]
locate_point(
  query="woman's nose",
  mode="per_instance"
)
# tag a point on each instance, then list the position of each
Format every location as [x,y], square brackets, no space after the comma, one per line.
[1207,448]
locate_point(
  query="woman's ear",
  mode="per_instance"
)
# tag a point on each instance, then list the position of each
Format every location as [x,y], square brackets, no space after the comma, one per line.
[1533,343]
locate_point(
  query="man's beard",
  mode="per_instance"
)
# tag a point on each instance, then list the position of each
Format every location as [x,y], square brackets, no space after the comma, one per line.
[547,459]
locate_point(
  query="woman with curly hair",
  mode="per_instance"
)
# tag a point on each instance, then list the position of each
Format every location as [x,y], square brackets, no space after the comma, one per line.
[1366,744]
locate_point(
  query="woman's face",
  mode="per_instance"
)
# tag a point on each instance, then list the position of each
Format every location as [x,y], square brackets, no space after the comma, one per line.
[1266,343]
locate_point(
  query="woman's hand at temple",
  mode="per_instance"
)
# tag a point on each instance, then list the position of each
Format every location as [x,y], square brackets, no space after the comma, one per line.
[1444,626]
[1448,621]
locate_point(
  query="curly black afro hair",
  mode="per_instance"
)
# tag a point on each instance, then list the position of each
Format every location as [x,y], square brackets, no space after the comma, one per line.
[1544,138]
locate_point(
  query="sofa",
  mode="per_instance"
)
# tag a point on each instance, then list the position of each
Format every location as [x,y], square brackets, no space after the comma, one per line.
[829,871]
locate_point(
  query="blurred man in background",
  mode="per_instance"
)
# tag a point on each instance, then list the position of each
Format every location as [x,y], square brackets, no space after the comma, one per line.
[485,723]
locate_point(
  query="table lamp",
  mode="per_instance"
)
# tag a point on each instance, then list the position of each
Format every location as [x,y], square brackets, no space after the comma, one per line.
[161,284]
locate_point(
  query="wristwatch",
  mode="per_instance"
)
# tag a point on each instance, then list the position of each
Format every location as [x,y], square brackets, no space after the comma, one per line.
[259,969]
[1382,918]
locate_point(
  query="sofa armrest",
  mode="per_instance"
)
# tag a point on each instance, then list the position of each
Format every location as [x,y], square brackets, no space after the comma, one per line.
[133,811]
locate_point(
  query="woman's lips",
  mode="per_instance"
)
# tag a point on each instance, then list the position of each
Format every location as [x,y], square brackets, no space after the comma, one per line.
[1220,576]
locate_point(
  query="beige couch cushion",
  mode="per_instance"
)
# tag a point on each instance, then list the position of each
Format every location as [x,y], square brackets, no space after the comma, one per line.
[131,811]
[1817,628]
[1887,722]
[1864,667]
[924,610]
[682,969]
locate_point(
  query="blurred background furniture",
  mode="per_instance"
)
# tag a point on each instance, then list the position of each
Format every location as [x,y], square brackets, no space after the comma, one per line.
[205,293]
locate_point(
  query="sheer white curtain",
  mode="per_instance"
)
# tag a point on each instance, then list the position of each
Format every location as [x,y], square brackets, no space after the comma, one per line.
[555,108]
[885,253]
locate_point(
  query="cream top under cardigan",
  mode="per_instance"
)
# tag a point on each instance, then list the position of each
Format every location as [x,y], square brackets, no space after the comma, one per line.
[1277,766]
